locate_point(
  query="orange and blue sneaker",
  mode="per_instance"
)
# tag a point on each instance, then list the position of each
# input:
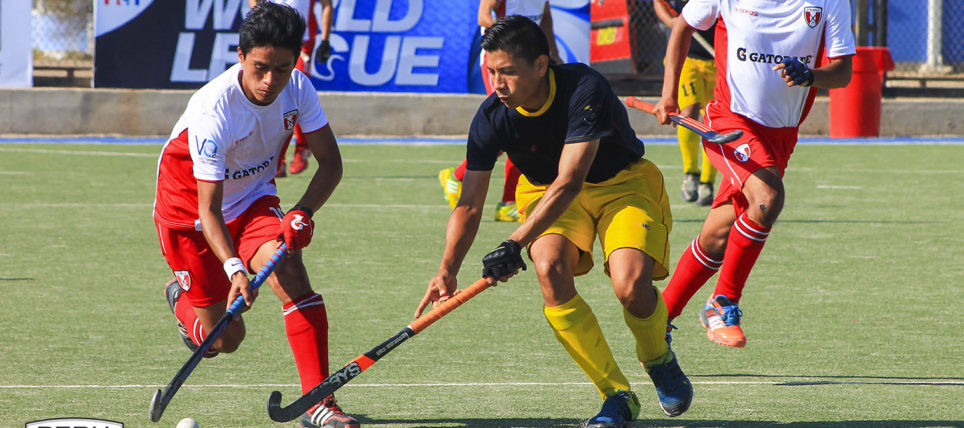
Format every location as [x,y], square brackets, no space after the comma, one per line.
[673,388]
[451,186]
[722,320]
[617,411]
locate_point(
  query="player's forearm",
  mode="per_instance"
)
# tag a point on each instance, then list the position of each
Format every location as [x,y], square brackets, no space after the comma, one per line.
[323,183]
[216,234]
[662,13]
[837,74]
[551,206]
[327,17]
[460,233]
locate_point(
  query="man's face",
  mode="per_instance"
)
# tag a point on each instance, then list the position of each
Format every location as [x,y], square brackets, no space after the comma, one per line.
[516,81]
[265,72]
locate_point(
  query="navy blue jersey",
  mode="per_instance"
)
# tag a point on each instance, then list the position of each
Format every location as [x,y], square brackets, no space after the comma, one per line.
[581,107]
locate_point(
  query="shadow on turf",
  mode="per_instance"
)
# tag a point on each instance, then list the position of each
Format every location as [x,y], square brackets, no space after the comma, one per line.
[492,423]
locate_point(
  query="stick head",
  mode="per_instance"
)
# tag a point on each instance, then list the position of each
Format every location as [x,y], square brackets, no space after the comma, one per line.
[275,412]
[157,408]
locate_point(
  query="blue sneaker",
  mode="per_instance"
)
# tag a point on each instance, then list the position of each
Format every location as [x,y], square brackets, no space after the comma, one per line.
[617,411]
[672,387]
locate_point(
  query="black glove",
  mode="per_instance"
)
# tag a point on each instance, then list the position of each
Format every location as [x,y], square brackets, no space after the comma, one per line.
[798,71]
[503,261]
[323,52]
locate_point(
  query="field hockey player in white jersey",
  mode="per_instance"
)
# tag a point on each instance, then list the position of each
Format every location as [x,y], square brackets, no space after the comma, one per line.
[767,56]
[216,208]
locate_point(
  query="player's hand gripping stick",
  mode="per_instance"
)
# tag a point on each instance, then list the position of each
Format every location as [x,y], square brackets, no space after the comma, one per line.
[688,123]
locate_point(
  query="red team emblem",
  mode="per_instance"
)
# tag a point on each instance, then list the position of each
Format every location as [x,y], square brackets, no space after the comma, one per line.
[291,118]
[184,279]
[812,15]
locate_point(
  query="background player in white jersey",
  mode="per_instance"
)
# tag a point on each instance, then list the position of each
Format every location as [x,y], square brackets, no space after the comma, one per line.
[767,56]
[306,8]
[216,206]
[489,10]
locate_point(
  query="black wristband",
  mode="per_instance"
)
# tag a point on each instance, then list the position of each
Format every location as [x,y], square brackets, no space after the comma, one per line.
[307,210]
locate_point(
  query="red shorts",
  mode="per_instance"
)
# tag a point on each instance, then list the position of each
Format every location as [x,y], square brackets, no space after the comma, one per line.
[195,266]
[759,147]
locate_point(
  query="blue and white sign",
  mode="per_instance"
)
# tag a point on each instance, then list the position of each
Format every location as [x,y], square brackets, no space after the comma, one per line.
[376,45]
[16,57]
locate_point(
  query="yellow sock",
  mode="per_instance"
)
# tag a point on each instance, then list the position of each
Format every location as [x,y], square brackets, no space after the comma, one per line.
[577,329]
[650,332]
[689,147]
[708,174]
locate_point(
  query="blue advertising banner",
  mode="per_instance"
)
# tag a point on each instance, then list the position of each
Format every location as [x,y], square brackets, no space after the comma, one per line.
[399,46]
[376,45]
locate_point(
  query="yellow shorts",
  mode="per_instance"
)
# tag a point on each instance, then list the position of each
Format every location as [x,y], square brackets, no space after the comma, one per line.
[630,210]
[697,81]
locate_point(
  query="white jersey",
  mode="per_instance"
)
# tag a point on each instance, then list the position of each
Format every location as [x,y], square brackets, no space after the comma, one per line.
[758,34]
[532,9]
[223,136]
[303,7]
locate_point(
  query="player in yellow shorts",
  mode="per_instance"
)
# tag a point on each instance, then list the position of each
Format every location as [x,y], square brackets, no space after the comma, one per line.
[696,84]
[583,175]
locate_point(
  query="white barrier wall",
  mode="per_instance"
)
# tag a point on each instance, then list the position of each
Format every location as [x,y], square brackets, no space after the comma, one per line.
[16,58]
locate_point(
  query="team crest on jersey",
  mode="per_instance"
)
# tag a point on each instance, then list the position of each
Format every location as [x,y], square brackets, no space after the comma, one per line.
[812,15]
[291,118]
[183,279]
[742,153]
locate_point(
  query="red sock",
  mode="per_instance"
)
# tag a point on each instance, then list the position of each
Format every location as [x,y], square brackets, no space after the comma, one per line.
[511,180]
[306,323]
[186,315]
[693,269]
[459,172]
[742,249]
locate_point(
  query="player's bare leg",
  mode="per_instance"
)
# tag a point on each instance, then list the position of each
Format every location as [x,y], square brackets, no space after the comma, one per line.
[306,325]
[233,333]
[765,198]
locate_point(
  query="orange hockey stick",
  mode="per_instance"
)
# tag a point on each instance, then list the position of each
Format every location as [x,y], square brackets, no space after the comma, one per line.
[364,361]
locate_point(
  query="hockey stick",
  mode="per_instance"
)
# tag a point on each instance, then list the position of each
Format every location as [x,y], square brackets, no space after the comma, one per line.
[364,361]
[688,123]
[161,399]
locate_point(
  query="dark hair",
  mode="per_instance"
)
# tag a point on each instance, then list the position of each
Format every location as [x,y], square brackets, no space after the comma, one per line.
[270,24]
[518,36]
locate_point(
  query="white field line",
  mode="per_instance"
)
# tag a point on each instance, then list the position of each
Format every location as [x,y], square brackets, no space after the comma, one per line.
[77,152]
[796,382]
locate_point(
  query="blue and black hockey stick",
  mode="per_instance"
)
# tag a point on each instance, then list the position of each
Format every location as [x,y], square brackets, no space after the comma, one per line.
[161,399]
